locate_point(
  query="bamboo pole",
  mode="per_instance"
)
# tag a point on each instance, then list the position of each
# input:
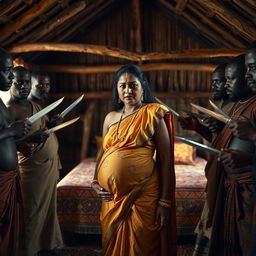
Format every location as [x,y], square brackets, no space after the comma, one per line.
[83,69]
[122,54]
[27,17]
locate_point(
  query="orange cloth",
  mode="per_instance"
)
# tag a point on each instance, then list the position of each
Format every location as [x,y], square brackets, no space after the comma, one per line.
[128,171]
[10,213]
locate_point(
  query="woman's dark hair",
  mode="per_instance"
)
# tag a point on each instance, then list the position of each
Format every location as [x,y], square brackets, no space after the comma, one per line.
[136,71]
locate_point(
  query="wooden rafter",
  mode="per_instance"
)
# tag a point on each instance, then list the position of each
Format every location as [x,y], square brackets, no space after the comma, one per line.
[108,95]
[27,30]
[65,15]
[251,3]
[84,69]
[137,25]
[181,5]
[244,8]
[9,6]
[205,31]
[83,48]
[27,17]
[230,18]
[84,18]
[122,54]
[216,27]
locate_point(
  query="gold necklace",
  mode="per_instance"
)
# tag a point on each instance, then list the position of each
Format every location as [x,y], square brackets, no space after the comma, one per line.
[119,122]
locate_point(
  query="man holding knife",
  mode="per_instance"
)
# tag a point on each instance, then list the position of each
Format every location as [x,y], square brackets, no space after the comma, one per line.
[39,172]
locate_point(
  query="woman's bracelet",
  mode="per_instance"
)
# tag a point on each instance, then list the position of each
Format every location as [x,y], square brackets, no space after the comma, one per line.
[165,200]
[164,204]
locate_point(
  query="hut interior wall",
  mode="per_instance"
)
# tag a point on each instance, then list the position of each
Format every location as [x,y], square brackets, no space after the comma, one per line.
[159,33]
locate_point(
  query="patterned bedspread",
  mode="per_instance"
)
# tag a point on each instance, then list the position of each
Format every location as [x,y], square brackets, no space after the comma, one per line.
[78,206]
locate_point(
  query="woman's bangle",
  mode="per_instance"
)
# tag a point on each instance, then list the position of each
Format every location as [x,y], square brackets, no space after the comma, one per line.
[94,182]
[165,200]
[164,204]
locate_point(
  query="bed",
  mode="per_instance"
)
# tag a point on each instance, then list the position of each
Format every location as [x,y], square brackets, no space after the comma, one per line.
[79,207]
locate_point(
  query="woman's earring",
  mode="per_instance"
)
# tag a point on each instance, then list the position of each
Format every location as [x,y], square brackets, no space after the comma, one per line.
[142,98]
[119,101]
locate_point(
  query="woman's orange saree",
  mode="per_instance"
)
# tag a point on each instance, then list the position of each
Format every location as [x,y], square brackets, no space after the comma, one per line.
[128,171]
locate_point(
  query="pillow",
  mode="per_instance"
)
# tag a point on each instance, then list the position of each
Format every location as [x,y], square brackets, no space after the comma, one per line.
[98,140]
[184,154]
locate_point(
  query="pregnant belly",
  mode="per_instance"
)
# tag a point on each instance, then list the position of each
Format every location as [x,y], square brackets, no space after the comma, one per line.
[122,170]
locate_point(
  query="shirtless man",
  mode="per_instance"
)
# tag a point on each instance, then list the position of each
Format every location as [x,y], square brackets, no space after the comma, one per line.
[11,223]
[39,173]
[40,86]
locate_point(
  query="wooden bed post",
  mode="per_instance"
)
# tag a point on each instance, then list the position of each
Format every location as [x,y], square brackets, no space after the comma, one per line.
[87,123]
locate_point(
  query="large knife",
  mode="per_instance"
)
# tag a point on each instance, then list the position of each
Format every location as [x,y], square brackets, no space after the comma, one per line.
[43,111]
[195,115]
[71,106]
[199,145]
[58,127]
[169,108]
[218,116]
[219,110]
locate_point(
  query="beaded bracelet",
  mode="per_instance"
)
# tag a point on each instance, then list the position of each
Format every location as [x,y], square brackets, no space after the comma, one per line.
[161,203]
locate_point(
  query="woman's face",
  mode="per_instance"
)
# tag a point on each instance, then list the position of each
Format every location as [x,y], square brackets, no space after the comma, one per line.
[129,89]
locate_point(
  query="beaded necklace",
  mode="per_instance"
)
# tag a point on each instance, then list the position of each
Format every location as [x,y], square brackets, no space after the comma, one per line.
[119,122]
[238,106]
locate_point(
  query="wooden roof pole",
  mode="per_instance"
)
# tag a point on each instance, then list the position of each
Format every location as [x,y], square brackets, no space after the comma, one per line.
[55,22]
[180,6]
[251,2]
[203,29]
[137,25]
[230,18]
[122,54]
[96,7]
[84,69]
[83,48]
[9,6]
[217,28]
[30,27]
[244,7]
[26,18]
[87,125]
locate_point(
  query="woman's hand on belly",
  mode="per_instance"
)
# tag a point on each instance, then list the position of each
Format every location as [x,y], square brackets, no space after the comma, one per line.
[102,193]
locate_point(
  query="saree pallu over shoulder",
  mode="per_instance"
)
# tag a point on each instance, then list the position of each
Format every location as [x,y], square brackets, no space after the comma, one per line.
[128,171]
[11,214]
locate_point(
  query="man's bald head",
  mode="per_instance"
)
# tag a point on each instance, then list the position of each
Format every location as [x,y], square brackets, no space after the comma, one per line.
[6,67]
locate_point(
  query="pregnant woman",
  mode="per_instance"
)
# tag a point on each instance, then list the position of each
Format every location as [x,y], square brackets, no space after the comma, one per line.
[136,189]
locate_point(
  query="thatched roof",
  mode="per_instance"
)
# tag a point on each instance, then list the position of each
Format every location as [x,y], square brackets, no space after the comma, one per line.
[222,24]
